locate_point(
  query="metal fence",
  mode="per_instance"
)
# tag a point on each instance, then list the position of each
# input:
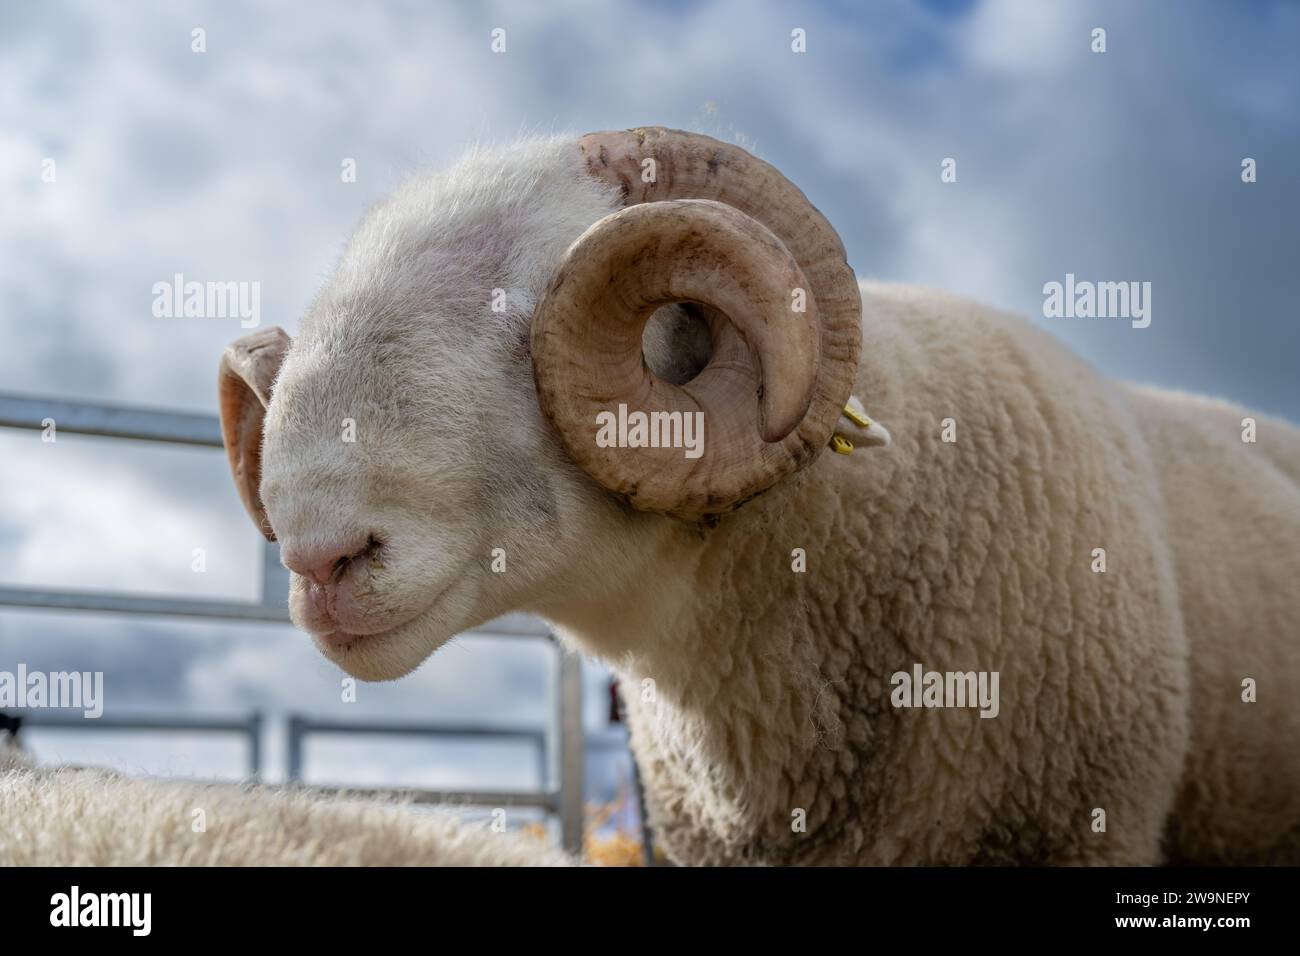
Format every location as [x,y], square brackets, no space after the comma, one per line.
[560,746]
[249,727]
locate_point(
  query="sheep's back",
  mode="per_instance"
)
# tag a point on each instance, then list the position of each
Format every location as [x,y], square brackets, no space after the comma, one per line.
[1233,511]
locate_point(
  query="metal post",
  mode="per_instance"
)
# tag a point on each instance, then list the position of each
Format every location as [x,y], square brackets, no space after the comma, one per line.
[275,578]
[294,773]
[255,744]
[569,749]
[647,833]
[544,763]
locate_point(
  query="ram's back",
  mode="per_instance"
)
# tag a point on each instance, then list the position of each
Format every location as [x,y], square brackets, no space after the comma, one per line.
[1233,513]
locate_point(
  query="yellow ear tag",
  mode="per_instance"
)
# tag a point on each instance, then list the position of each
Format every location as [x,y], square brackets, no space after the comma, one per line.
[856,417]
[841,445]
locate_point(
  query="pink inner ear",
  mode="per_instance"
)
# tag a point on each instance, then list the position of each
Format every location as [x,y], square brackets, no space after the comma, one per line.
[247,372]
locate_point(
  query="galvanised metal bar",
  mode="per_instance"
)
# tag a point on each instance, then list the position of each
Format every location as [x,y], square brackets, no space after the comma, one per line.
[647,832]
[114,603]
[48,718]
[293,756]
[110,421]
[275,578]
[300,727]
[255,744]
[249,727]
[307,725]
[142,424]
[569,749]
[55,599]
[475,798]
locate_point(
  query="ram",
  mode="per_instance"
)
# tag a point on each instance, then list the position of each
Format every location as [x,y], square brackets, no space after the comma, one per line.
[1118,558]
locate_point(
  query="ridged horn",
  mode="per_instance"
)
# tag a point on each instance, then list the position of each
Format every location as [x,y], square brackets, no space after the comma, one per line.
[705,222]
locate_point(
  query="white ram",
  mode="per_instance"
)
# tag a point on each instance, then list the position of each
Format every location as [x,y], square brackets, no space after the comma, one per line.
[433,456]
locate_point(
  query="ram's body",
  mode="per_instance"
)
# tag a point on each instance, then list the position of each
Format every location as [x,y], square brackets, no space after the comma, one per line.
[761,693]
[1233,516]
[1120,690]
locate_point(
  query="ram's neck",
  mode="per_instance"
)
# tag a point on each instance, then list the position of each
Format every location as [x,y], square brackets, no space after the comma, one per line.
[742,666]
[754,658]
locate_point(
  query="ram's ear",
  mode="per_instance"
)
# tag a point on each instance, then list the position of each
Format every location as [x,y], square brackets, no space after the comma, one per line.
[247,372]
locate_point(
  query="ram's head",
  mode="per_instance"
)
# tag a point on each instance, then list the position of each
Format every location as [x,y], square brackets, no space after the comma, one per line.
[454,433]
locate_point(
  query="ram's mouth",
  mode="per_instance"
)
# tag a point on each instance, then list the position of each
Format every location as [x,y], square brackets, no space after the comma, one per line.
[339,641]
[341,645]
[342,640]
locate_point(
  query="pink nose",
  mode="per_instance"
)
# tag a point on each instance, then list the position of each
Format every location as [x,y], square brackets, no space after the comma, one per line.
[324,564]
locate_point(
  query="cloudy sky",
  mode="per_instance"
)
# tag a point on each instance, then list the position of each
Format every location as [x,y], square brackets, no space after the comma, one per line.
[225,165]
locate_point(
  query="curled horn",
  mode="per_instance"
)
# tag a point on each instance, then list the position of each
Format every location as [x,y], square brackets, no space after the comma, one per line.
[715,226]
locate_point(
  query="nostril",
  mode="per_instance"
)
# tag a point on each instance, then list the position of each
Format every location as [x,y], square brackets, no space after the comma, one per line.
[371,549]
[326,564]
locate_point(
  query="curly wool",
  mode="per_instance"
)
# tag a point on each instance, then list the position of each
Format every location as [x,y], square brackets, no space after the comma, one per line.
[86,817]
[769,693]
